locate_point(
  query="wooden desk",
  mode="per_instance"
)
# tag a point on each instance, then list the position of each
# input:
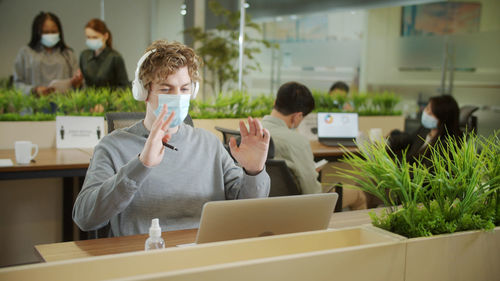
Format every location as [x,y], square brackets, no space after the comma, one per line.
[50,162]
[321,150]
[124,244]
[69,164]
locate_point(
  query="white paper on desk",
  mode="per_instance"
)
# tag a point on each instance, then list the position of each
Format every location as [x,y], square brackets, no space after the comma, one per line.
[61,85]
[320,163]
[6,163]
[78,131]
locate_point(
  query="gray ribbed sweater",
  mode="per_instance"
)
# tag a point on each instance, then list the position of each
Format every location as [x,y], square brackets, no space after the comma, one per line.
[119,189]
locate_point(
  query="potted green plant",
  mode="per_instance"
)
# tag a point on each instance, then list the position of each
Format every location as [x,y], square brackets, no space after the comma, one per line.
[442,208]
[226,110]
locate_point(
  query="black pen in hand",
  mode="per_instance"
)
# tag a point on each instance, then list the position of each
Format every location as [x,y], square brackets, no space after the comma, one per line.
[166,144]
[169,146]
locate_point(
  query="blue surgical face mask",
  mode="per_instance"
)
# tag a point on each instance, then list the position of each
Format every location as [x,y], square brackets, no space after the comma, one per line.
[177,103]
[50,40]
[428,121]
[94,44]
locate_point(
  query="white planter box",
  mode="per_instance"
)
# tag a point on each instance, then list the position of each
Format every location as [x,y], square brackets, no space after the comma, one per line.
[469,255]
[361,253]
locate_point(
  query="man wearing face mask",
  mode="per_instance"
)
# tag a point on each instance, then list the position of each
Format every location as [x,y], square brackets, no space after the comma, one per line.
[101,65]
[161,167]
[45,59]
[293,102]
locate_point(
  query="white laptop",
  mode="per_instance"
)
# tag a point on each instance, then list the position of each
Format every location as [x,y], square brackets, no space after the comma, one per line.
[246,218]
[336,129]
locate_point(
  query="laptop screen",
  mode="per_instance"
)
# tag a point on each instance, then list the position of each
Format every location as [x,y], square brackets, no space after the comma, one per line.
[337,125]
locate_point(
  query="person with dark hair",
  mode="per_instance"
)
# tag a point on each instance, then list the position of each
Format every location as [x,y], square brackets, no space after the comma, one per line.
[46,59]
[440,120]
[101,65]
[340,88]
[293,102]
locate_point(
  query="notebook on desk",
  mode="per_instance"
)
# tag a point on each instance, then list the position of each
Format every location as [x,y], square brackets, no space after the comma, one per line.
[247,218]
[335,129]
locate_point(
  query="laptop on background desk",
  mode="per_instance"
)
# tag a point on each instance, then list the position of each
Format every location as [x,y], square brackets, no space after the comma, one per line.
[247,218]
[335,129]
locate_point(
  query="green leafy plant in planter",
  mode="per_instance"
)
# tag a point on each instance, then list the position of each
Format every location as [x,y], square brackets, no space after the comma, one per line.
[365,104]
[458,192]
[385,102]
[324,102]
[13,100]
[4,101]
[15,106]
[233,105]
[360,101]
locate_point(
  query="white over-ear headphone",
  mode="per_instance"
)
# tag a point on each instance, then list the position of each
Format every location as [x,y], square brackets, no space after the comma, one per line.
[140,93]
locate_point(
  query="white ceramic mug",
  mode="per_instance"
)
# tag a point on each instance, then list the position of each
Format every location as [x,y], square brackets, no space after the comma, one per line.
[23,151]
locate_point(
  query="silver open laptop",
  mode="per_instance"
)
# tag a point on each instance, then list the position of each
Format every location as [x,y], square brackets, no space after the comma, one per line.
[336,129]
[237,219]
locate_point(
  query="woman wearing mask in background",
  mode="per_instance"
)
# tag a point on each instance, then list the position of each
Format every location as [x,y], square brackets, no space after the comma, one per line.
[46,64]
[440,120]
[101,65]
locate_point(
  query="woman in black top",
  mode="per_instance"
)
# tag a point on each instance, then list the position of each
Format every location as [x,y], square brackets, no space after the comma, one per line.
[101,65]
[440,120]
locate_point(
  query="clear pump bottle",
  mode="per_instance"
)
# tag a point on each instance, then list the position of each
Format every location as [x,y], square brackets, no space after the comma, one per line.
[154,241]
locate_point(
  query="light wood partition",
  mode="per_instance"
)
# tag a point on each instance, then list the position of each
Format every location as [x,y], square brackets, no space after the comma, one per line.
[317,255]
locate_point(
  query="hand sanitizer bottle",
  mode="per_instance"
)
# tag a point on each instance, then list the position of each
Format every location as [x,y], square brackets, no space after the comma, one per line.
[154,241]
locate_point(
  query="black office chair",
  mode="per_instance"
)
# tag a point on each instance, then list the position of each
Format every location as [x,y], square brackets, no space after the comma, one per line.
[282,182]
[228,133]
[118,120]
[468,122]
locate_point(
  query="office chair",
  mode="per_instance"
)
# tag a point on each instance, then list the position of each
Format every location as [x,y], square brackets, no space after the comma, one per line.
[118,120]
[467,122]
[282,182]
[228,133]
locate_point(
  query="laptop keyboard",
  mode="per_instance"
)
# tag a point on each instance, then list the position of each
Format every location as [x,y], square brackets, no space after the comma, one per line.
[333,142]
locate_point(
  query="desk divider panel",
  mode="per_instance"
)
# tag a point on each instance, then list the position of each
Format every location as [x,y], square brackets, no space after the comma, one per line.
[361,252]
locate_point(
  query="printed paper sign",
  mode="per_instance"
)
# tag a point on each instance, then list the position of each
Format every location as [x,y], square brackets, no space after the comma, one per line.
[78,131]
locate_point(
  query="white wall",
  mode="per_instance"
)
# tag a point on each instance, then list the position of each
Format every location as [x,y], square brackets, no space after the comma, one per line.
[170,22]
